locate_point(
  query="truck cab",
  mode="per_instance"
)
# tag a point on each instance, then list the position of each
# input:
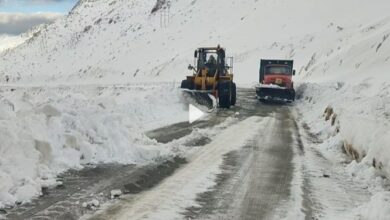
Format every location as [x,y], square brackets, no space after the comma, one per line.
[275,82]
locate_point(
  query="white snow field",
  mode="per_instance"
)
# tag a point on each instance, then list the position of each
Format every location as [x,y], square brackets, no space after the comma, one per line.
[341,51]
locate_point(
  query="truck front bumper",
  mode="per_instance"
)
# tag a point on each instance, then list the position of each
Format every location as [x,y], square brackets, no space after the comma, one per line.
[275,93]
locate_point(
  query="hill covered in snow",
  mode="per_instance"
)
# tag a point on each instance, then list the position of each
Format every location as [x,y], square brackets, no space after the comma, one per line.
[7,41]
[341,51]
[124,41]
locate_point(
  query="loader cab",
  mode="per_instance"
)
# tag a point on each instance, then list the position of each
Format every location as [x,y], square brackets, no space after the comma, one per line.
[212,75]
[213,60]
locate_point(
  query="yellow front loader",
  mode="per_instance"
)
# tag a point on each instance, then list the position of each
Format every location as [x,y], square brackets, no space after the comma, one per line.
[212,75]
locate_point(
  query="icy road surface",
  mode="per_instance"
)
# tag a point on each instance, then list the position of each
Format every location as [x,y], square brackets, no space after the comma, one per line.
[258,164]
[251,161]
[256,168]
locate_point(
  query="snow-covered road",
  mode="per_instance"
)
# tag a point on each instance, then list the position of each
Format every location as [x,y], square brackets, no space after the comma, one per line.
[262,166]
[254,161]
[180,190]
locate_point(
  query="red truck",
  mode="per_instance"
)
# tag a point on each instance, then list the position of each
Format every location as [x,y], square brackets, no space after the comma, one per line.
[276,80]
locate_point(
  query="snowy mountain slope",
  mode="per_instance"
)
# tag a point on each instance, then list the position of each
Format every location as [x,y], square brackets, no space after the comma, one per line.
[341,51]
[7,42]
[117,40]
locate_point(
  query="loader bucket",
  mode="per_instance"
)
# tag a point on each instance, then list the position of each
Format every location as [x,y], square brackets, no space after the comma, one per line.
[200,97]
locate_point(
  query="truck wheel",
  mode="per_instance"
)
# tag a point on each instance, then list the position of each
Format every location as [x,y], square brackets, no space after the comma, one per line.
[224,94]
[186,84]
[292,95]
[234,94]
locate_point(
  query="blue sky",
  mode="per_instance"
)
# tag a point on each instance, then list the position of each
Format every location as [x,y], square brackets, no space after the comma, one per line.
[31,6]
[18,16]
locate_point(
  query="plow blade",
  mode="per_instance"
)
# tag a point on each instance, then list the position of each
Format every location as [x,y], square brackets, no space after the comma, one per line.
[204,98]
[277,94]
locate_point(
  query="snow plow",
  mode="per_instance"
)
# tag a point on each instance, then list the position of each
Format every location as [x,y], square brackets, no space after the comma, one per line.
[212,76]
[276,81]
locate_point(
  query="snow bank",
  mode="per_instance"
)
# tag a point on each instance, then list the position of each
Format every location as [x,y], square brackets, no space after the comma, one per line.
[358,126]
[360,117]
[45,131]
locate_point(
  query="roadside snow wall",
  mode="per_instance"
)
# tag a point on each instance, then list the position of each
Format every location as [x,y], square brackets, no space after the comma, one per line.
[45,131]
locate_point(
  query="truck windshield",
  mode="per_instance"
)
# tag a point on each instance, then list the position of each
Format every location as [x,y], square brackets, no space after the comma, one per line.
[278,70]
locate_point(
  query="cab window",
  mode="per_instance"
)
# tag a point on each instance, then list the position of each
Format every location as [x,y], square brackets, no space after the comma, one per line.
[278,70]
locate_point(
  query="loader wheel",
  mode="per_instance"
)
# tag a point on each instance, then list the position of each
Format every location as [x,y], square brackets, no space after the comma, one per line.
[224,94]
[234,94]
[186,84]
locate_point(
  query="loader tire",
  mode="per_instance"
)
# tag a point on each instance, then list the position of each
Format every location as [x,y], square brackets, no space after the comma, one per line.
[234,94]
[186,84]
[225,94]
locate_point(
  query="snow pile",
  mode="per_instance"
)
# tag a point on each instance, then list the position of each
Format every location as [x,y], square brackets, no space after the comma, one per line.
[368,176]
[116,193]
[92,205]
[45,131]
